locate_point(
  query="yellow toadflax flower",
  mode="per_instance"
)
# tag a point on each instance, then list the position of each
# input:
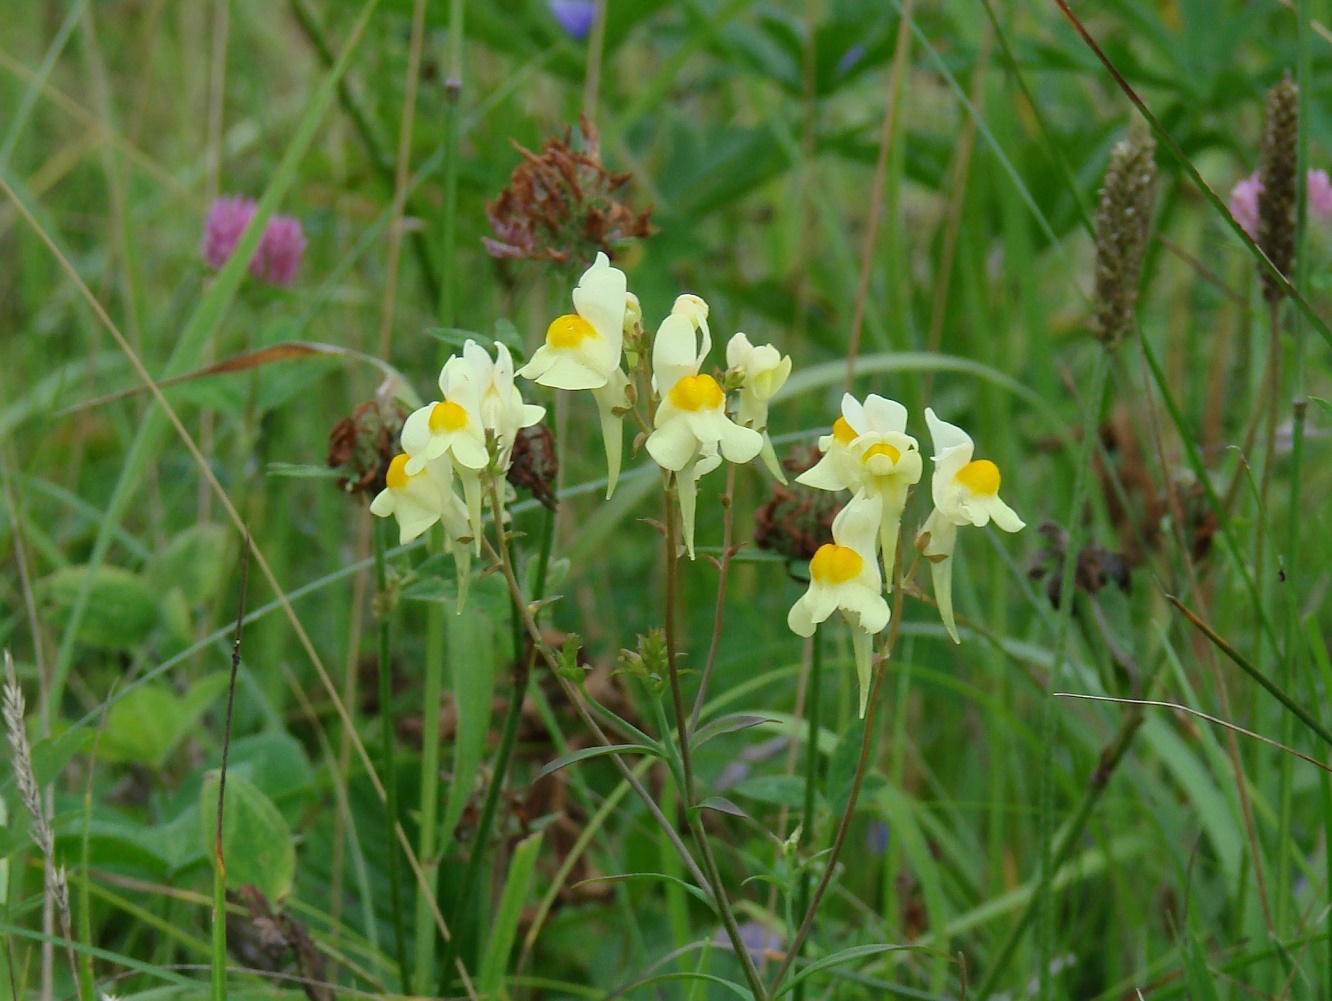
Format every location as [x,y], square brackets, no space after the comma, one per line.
[503,411]
[763,371]
[869,451]
[583,351]
[691,425]
[452,428]
[844,576]
[966,492]
[418,500]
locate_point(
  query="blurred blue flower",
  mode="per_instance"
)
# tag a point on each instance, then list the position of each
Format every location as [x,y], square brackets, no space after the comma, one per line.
[760,941]
[849,59]
[876,837]
[575,16]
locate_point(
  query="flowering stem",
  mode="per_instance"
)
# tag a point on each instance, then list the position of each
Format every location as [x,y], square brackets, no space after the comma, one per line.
[812,700]
[858,779]
[723,571]
[524,659]
[426,848]
[390,760]
[628,774]
[686,764]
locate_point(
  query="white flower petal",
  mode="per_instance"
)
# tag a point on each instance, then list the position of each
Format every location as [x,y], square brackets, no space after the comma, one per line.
[672,445]
[883,415]
[416,430]
[942,572]
[946,436]
[673,355]
[1004,516]
[687,490]
[824,475]
[600,300]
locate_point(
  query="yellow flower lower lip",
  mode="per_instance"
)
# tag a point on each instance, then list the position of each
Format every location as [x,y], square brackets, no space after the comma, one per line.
[397,477]
[980,477]
[448,416]
[697,392]
[834,564]
[843,431]
[568,331]
[883,448]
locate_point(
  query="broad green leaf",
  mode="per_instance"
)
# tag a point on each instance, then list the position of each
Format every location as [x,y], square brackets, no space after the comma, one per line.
[121,611]
[148,723]
[277,763]
[780,790]
[256,842]
[193,561]
[504,926]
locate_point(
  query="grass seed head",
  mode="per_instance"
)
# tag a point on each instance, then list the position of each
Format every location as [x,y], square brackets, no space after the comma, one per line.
[1122,224]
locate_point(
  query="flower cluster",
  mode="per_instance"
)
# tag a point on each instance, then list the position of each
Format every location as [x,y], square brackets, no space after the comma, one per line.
[463,437]
[870,454]
[280,248]
[691,429]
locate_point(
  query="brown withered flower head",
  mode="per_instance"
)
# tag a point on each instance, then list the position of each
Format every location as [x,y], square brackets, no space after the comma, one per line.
[796,520]
[536,464]
[360,447]
[560,204]
[1095,566]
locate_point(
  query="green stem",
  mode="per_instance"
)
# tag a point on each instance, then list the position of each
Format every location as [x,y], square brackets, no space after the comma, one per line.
[1096,785]
[812,705]
[1045,889]
[219,961]
[452,133]
[422,965]
[522,674]
[709,864]
[383,619]
[375,147]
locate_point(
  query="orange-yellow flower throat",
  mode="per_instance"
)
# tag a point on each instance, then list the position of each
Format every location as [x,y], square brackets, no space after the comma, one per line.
[834,564]
[568,331]
[697,392]
[980,477]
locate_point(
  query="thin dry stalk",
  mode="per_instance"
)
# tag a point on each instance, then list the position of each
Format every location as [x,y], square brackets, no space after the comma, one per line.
[30,795]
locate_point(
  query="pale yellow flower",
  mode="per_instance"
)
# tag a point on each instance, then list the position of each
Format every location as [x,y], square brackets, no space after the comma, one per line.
[583,350]
[844,576]
[453,428]
[691,423]
[763,371]
[966,492]
[869,451]
[419,500]
[502,409]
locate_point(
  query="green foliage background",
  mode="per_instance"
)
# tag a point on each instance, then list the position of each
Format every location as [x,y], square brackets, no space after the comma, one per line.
[753,129]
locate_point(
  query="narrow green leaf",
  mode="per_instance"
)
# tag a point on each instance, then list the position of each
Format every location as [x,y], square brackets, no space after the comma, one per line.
[728,724]
[601,751]
[472,656]
[840,958]
[504,927]
[657,877]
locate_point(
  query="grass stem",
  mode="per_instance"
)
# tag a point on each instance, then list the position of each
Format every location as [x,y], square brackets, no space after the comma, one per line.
[384,627]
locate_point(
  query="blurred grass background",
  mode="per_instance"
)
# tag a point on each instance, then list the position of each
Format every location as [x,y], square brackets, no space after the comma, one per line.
[752,128]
